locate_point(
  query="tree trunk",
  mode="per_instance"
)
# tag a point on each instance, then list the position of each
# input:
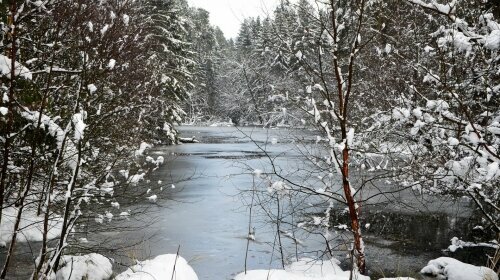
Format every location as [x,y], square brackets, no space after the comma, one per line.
[359,250]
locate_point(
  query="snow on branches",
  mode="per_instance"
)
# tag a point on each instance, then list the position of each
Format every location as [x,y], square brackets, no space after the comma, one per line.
[454,112]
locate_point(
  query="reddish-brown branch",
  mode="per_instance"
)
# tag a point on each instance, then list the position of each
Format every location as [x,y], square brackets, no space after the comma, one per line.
[343,103]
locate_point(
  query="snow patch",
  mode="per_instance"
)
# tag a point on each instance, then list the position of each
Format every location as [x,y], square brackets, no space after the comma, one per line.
[453,141]
[142,148]
[304,269]
[20,70]
[494,128]
[459,244]
[153,198]
[126,19]
[90,25]
[31,226]
[400,113]
[431,79]
[492,41]
[111,63]
[299,55]
[160,268]
[350,137]
[257,173]
[104,29]
[278,187]
[388,48]
[124,173]
[79,126]
[92,88]
[91,267]
[134,179]
[452,269]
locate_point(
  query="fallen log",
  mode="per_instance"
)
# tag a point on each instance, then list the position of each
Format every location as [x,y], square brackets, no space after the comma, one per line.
[188,140]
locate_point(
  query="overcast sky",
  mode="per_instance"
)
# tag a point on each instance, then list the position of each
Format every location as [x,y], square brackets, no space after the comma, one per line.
[228,14]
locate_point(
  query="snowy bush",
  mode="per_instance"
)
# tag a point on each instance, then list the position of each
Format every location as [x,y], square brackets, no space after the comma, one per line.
[452,269]
[163,267]
[89,267]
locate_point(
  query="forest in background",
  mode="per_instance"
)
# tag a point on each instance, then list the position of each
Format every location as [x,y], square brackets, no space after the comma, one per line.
[408,90]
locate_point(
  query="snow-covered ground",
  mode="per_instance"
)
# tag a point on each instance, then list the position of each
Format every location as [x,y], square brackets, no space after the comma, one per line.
[451,269]
[31,226]
[163,267]
[171,266]
[304,269]
[89,267]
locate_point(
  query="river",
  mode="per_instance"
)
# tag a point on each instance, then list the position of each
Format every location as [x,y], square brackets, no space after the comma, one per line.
[206,214]
[202,212]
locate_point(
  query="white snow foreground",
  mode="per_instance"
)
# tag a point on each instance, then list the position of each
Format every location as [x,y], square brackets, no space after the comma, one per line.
[160,268]
[452,269]
[31,226]
[97,267]
[304,269]
[90,267]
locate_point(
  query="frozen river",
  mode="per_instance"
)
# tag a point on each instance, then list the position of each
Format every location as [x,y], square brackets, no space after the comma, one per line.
[204,214]
[206,217]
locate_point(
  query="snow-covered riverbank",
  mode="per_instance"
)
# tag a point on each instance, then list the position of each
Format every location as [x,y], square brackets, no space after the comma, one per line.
[173,266]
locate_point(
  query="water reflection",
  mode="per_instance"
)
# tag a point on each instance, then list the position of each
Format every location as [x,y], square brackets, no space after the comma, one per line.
[397,241]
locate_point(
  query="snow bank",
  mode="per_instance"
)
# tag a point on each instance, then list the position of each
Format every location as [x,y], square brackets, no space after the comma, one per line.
[309,269]
[452,269]
[90,267]
[31,226]
[160,268]
[222,123]
[305,269]
[456,244]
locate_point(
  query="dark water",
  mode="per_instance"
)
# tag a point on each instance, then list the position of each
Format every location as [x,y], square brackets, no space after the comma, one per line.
[400,243]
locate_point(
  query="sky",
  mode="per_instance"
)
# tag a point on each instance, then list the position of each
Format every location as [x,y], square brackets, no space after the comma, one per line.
[228,14]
